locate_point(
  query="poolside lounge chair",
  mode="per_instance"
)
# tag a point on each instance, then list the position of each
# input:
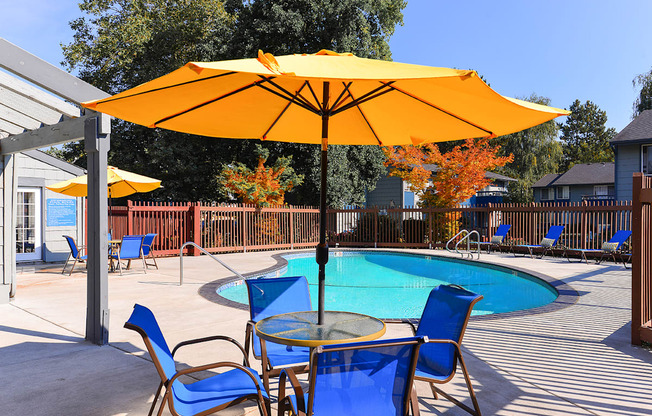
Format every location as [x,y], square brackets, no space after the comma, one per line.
[148,253]
[75,253]
[610,248]
[546,245]
[202,397]
[497,240]
[269,297]
[444,321]
[364,378]
[130,249]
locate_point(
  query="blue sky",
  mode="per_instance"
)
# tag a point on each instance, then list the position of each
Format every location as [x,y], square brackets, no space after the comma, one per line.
[564,50]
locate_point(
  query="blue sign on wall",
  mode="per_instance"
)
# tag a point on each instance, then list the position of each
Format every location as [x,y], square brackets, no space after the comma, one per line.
[61,212]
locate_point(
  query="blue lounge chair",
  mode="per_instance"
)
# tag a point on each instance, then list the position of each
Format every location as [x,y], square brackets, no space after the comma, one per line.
[202,397]
[497,239]
[148,253]
[75,253]
[546,245]
[443,322]
[610,248]
[130,249]
[357,379]
[269,297]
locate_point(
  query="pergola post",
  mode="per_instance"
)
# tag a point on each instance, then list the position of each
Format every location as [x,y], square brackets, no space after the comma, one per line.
[97,139]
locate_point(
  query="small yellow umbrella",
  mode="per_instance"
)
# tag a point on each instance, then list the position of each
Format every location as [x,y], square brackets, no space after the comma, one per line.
[120,183]
[324,98]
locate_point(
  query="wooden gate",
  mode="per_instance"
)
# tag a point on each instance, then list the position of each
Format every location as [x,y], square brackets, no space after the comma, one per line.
[642,260]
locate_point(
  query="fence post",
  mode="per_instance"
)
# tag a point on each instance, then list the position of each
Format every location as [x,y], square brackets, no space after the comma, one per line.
[291,215]
[583,230]
[130,217]
[532,239]
[637,237]
[194,219]
[244,228]
[490,220]
[376,227]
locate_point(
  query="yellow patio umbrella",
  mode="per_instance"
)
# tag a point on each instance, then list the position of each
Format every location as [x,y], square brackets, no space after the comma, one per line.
[324,98]
[120,183]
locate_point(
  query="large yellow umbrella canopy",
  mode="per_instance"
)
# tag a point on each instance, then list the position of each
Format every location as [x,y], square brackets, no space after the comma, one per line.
[324,98]
[120,183]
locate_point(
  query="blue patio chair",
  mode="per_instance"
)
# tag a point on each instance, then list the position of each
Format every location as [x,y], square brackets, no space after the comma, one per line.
[75,253]
[546,245]
[443,321]
[269,297]
[357,379]
[202,397]
[609,248]
[130,249]
[497,240]
[147,249]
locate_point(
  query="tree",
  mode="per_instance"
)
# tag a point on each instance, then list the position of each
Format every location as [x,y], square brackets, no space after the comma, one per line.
[584,137]
[122,43]
[460,174]
[264,186]
[644,100]
[536,152]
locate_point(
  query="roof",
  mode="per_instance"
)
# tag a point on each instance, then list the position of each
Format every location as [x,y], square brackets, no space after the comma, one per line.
[546,180]
[41,156]
[490,175]
[640,129]
[581,174]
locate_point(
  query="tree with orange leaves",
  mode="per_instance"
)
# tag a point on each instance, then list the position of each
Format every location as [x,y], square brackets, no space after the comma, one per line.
[460,172]
[264,186]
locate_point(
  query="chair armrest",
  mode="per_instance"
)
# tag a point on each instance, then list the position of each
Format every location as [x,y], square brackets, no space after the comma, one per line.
[401,321]
[213,338]
[298,391]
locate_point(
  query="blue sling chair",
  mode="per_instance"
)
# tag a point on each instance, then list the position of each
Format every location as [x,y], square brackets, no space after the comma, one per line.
[610,248]
[130,249]
[269,297]
[148,253]
[497,240]
[75,253]
[357,379]
[202,397]
[443,321]
[548,242]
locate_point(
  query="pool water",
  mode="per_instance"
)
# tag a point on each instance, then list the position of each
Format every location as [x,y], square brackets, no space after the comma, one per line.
[396,285]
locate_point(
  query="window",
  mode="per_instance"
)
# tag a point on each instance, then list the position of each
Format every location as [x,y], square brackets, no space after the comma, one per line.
[563,192]
[547,194]
[601,190]
[646,162]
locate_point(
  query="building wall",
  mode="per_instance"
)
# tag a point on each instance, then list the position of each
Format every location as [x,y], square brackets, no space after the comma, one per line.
[389,189]
[575,193]
[628,161]
[37,174]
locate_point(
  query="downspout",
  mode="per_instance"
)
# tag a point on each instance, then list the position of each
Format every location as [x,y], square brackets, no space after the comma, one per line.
[11,267]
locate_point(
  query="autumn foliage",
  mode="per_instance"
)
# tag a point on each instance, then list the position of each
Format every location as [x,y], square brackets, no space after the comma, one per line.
[459,173]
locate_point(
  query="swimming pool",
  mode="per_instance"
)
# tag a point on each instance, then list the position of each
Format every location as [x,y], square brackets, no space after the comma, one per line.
[396,285]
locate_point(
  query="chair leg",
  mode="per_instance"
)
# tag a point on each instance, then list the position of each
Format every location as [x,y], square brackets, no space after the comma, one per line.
[156,396]
[63,271]
[414,402]
[119,264]
[470,388]
[434,391]
[73,267]
[144,264]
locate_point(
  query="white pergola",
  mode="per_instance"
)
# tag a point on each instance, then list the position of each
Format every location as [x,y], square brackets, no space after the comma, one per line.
[39,107]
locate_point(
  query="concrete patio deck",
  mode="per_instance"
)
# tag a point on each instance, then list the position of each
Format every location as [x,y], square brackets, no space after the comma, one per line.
[574,360]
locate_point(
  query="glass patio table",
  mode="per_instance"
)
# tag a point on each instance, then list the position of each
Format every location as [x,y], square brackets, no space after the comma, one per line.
[301,328]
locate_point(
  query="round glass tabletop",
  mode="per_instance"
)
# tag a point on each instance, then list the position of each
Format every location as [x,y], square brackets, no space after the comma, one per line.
[301,329]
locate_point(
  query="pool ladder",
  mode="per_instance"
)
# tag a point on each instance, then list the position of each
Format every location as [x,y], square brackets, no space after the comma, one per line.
[190,243]
[466,237]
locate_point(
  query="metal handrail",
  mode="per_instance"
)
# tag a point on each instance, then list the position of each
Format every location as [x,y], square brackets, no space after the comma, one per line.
[190,243]
[454,237]
[467,238]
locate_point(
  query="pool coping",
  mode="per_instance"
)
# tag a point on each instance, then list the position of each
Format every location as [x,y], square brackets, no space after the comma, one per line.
[567,295]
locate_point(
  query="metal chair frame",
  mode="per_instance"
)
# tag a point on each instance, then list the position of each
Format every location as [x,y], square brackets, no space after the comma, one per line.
[306,409]
[544,249]
[150,251]
[116,254]
[264,405]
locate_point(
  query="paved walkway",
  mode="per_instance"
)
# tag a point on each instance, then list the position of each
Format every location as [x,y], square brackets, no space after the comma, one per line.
[574,360]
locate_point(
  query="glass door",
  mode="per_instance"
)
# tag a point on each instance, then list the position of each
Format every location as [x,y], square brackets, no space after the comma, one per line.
[28,224]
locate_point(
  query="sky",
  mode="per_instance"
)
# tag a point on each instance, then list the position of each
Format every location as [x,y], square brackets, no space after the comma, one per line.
[563,50]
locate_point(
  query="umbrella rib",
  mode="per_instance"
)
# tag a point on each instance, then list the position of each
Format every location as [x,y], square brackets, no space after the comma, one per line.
[440,109]
[284,109]
[290,97]
[344,91]
[315,97]
[107,100]
[366,121]
[246,87]
[375,93]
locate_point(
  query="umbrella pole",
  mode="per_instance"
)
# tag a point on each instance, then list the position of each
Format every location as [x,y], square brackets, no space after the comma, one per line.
[322,247]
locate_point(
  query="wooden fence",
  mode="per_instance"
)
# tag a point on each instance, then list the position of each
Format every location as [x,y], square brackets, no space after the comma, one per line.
[642,260]
[224,228]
